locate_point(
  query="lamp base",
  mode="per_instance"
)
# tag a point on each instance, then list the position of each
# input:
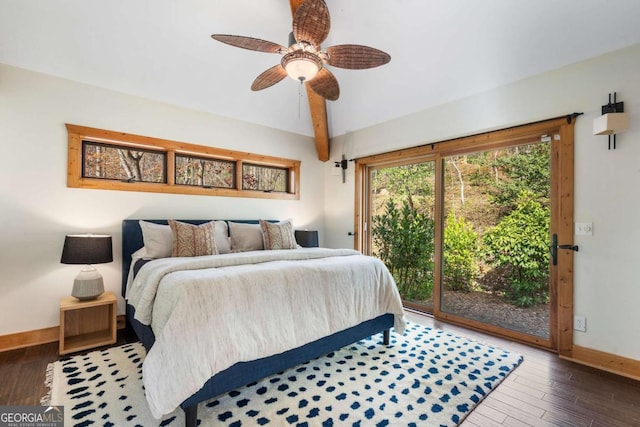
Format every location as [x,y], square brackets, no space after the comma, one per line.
[88,284]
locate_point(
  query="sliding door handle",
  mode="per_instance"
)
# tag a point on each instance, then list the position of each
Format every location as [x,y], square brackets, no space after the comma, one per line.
[554,246]
[570,247]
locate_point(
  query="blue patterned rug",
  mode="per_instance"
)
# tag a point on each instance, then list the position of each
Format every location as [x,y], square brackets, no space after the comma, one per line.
[426,377]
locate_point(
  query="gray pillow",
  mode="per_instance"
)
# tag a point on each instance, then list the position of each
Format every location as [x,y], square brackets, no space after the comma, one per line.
[245,237]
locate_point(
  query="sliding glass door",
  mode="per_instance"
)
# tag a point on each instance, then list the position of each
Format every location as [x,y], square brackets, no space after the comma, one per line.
[497,214]
[465,228]
[402,227]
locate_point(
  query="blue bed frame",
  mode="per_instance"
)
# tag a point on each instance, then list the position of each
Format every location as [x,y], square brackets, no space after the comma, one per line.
[241,373]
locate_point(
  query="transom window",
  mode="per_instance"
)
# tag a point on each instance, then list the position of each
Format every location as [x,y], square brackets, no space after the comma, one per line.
[103,159]
[205,172]
[264,178]
[106,161]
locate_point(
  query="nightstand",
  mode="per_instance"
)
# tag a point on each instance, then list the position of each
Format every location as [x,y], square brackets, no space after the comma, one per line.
[87,324]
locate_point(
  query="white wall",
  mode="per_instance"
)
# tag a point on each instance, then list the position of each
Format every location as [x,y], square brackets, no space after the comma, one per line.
[607,183]
[37,209]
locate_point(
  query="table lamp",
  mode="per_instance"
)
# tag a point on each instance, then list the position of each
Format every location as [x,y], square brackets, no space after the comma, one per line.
[87,249]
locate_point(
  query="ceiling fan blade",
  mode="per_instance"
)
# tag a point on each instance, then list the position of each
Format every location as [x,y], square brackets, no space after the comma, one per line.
[325,85]
[249,43]
[356,57]
[311,22]
[269,77]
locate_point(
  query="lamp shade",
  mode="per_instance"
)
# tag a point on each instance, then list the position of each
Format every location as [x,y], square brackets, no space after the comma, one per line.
[307,238]
[610,124]
[87,249]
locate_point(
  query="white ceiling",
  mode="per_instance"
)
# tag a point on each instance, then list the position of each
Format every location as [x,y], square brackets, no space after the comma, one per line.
[440,50]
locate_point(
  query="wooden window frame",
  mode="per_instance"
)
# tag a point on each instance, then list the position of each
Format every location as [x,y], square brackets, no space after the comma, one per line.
[77,134]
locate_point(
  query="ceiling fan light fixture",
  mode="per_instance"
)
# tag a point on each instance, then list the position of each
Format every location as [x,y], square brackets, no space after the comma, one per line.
[301,66]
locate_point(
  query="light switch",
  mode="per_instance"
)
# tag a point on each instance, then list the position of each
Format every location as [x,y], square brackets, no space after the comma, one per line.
[584,229]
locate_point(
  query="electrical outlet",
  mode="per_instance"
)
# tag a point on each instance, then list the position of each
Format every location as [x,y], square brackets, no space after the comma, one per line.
[580,323]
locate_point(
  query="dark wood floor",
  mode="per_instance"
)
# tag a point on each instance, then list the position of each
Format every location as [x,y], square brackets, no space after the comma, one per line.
[543,391]
[22,372]
[548,391]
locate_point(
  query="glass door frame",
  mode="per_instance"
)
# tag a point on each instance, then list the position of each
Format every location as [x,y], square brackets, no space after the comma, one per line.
[363,236]
[561,131]
[363,202]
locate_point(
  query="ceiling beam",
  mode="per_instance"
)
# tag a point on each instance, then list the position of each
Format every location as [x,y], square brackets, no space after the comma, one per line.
[318,108]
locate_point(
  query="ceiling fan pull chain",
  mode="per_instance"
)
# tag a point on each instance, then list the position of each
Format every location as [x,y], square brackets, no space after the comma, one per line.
[299,98]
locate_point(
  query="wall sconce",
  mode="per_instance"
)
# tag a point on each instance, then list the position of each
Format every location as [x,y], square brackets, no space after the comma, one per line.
[612,121]
[344,163]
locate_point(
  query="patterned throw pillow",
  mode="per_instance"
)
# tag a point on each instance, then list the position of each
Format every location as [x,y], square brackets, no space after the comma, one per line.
[193,240]
[279,235]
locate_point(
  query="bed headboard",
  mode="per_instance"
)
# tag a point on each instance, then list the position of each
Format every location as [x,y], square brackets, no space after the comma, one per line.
[132,239]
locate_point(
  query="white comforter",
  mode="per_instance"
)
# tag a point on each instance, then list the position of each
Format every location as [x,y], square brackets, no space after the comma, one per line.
[209,313]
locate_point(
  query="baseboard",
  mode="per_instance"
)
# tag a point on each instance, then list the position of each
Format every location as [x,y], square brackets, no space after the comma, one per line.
[608,362]
[39,336]
[28,339]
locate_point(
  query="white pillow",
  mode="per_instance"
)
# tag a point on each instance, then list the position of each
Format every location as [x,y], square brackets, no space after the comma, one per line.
[157,238]
[139,254]
[221,237]
[245,237]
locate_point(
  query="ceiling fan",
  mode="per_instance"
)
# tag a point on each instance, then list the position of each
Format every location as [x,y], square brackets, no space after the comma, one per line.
[304,60]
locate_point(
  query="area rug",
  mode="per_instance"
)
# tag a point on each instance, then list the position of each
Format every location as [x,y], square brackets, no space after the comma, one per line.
[425,377]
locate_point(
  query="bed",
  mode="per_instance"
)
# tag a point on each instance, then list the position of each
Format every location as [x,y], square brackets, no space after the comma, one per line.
[176,281]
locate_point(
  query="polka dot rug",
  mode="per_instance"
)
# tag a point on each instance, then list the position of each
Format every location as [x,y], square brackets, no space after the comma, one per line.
[426,377]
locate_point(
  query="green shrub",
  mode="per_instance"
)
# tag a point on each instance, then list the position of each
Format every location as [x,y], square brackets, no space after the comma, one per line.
[460,251]
[529,171]
[403,240]
[519,244]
